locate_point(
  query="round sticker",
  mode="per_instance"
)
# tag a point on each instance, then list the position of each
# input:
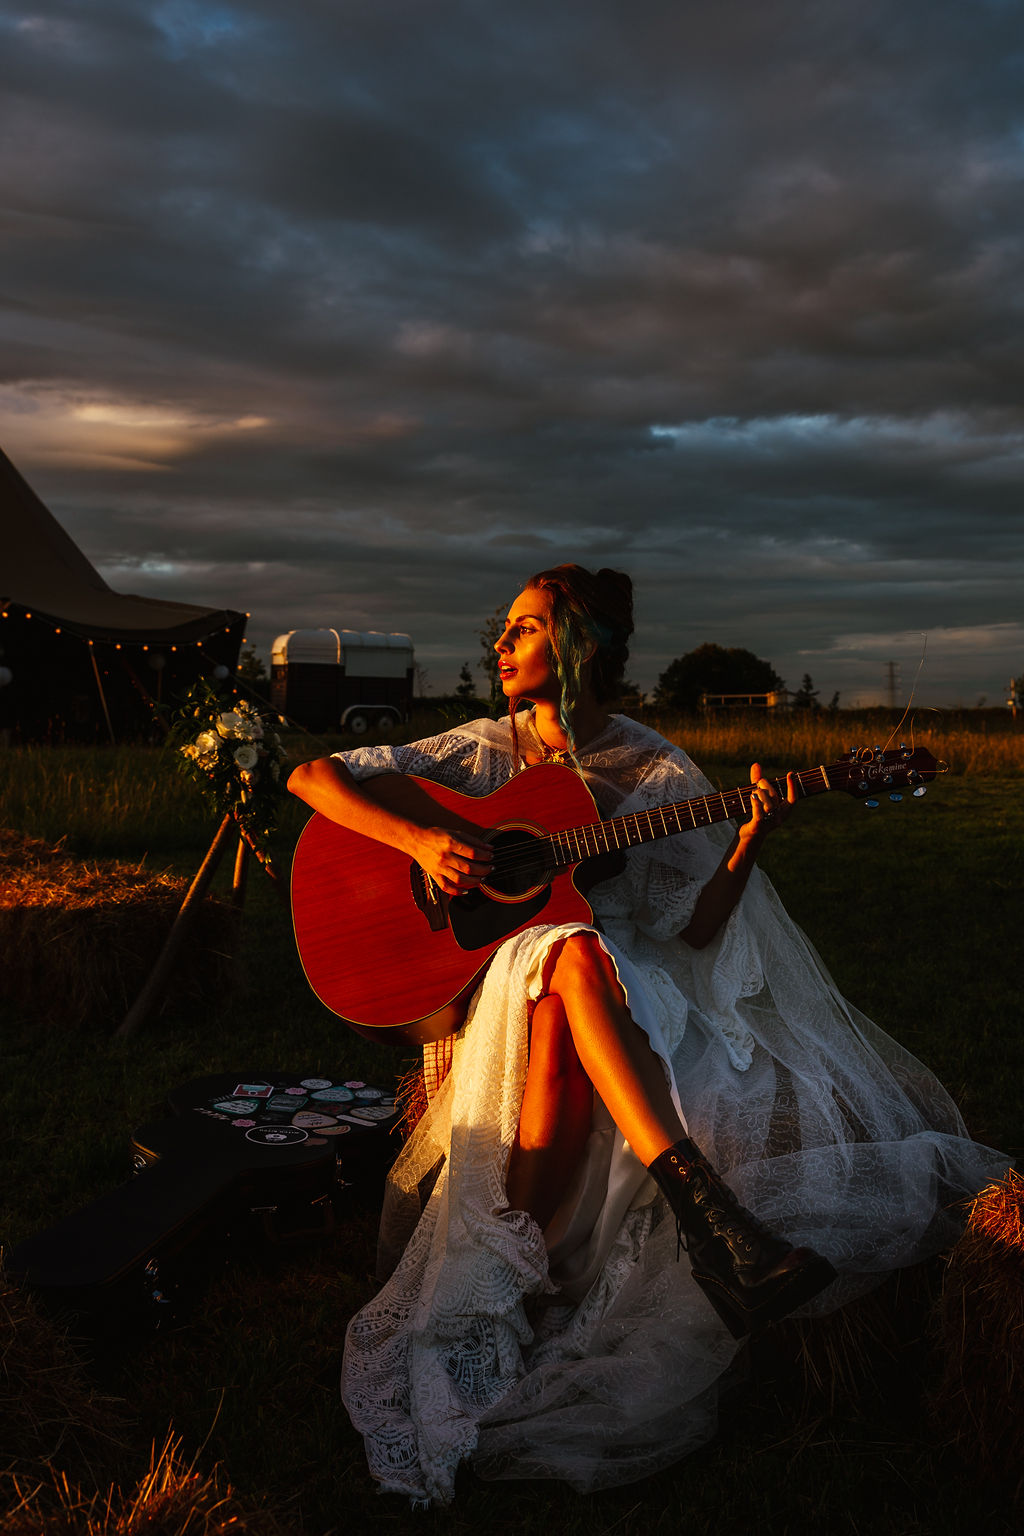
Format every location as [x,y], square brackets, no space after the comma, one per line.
[368,1095]
[336,1095]
[316,1082]
[285,1101]
[235,1106]
[310,1120]
[276,1135]
[371,1112]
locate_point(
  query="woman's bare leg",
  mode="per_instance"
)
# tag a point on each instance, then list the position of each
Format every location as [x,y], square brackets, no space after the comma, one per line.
[554,1121]
[751,1276]
[613,1050]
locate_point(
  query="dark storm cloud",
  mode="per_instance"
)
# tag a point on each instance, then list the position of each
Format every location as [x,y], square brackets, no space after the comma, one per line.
[356,314]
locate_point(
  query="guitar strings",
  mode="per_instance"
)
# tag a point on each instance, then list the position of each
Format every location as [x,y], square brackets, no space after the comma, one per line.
[917,676]
[521,854]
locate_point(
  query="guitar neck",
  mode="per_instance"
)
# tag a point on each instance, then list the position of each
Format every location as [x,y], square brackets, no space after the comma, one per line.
[578,843]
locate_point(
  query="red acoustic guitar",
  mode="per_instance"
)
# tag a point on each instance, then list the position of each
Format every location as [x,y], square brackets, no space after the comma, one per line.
[395,958]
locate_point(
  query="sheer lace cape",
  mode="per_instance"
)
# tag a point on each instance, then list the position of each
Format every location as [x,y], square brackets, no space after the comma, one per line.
[586,1353]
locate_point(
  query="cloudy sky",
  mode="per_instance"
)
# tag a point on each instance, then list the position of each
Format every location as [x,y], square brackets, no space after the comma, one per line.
[355,312]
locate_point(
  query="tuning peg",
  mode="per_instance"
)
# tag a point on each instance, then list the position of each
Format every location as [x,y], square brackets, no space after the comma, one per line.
[895,797]
[872,805]
[922,789]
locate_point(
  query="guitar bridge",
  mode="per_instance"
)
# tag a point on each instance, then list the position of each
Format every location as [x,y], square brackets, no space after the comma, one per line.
[429,897]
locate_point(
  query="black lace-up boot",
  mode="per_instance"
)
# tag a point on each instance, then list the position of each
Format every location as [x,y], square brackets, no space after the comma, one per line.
[750,1276]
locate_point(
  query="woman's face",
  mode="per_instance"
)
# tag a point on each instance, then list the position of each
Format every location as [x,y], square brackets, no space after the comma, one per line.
[525,661]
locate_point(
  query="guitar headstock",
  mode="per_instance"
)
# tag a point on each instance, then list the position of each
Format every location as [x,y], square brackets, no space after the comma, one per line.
[867,772]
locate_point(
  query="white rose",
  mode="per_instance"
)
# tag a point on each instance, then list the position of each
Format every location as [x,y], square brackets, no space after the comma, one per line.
[247,757]
[206,742]
[233,725]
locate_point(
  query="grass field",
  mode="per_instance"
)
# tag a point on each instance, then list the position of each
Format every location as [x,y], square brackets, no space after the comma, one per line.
[915,907]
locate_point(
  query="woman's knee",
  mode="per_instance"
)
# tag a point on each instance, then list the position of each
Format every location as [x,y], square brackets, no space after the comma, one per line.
[584,962]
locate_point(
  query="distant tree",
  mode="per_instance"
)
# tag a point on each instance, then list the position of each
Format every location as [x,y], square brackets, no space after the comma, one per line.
[490,634]
[251,668]
[421,677]
[467,687]
[806,696]
[833,702]
[713,669]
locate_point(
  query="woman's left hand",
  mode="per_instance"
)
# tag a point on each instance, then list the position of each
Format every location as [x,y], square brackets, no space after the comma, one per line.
[768,810]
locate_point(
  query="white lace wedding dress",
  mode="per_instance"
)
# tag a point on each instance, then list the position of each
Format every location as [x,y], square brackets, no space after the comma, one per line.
[586,1352]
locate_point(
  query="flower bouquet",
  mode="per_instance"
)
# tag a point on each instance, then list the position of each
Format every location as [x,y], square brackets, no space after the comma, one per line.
[235,754]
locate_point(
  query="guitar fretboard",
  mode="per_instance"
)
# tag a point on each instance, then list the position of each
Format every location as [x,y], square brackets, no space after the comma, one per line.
[578,843]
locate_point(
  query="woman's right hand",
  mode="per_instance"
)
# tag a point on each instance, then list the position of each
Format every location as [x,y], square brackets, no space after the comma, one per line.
[455,861]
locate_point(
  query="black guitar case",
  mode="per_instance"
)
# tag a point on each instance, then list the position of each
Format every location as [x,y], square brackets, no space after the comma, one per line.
[239,1158]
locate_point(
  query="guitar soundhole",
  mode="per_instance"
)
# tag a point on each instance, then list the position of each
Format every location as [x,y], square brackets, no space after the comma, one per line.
[519,865]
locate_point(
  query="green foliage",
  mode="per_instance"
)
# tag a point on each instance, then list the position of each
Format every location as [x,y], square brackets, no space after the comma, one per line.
[466,688]
[713,669]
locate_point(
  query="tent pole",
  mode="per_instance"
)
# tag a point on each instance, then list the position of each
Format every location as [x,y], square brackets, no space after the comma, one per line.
[144,693]
[103,697]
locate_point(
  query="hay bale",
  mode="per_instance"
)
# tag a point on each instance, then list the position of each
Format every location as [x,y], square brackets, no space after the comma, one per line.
[80,938]
[873,1350]
[979,1328]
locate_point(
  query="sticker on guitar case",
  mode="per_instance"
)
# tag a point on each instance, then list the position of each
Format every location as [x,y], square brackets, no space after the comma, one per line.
[371,1112]
[316,1082]
[236,1106]
[277,1135]
[335,1095]
[253,1091]
[309,1120]
[286,1101]
[368,1095]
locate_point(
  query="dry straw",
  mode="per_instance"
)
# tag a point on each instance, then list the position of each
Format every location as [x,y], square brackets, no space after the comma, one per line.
[173,1498]
[977,1406]
[51,1412]
[79,939]
[64,1443]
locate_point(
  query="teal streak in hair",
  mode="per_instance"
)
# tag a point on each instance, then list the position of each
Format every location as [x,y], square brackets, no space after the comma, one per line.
[574,642]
